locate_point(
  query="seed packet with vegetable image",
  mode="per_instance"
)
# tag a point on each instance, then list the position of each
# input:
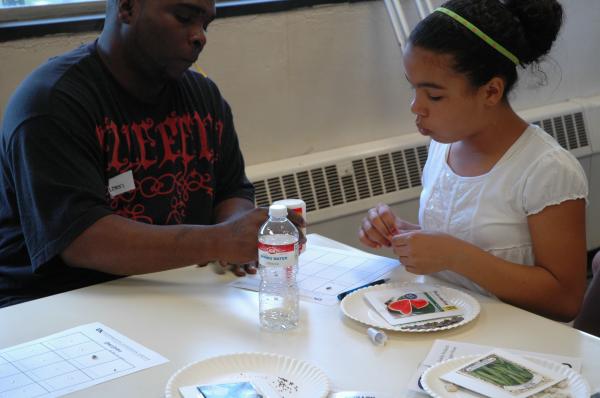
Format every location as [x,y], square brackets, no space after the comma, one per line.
[500,374]
[243,389]
[400,306]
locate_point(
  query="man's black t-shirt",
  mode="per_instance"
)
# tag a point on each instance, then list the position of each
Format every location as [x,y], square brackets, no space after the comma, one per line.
[75,147]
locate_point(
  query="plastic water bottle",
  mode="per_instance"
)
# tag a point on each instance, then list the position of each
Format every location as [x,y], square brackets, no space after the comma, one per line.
[278,265]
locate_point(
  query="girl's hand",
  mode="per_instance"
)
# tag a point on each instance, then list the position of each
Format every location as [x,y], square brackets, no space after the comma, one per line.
[380,225]
[424,253]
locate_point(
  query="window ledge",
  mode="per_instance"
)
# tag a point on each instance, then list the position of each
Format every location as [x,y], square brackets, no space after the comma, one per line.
[94,22]
[40,27]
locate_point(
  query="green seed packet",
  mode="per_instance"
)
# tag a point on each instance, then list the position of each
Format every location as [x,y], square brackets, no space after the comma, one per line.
[501,374]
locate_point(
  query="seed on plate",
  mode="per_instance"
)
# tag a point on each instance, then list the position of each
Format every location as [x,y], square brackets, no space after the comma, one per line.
[451,387]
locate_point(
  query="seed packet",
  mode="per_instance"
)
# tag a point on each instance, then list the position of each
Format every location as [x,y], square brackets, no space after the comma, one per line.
[399,306]
[244,389]
[501,374]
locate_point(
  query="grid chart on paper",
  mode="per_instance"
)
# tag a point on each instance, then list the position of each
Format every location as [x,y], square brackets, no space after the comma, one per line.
[51,366]
[328,273]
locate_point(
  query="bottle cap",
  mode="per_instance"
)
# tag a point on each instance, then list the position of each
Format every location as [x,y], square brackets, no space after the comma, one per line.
[377,336]
[277,211]
[291,203]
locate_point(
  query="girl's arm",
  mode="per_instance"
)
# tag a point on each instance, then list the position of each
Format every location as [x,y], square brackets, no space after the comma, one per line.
[553,287]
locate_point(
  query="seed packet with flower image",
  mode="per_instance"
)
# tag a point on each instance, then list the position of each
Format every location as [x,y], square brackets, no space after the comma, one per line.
[400,306]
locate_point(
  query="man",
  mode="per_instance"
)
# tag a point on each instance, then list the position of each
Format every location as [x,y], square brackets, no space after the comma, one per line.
[118,160]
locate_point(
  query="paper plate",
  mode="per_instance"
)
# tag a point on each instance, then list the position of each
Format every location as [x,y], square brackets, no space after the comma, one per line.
[356,307]
[435,387]
[291,377]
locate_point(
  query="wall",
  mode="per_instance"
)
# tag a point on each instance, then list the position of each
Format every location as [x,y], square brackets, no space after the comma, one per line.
[318,78]
[329,76]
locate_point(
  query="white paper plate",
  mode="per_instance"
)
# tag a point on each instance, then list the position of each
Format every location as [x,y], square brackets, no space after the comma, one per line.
[435,387]
[302,380]
[356,307]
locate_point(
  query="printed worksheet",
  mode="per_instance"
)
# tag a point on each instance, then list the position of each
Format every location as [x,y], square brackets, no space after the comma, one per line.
[443,350]
[324,272]
[69,361]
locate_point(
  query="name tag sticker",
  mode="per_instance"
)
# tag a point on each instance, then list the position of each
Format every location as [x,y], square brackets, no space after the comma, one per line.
[121,184]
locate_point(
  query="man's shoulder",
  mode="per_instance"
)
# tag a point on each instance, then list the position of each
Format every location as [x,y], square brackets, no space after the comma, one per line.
[200,81]
[203,92]
[48,75]
[34,95]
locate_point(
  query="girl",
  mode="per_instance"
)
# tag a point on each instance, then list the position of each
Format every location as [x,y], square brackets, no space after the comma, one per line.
[502,210]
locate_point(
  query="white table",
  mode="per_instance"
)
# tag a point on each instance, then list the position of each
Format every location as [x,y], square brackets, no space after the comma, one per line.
[190,314]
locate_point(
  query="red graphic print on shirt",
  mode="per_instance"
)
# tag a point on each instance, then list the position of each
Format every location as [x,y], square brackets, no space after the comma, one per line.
[170,160]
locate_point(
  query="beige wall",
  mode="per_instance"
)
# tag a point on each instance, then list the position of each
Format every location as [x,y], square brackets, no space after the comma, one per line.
[318,78]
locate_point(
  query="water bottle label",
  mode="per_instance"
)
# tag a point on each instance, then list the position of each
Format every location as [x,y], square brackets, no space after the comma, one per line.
[278,255]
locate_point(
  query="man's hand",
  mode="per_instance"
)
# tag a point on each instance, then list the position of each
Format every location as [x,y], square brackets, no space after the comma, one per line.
[239,243]
[239,236]
[300,223]
[238,269]
[229,210]
[220,267]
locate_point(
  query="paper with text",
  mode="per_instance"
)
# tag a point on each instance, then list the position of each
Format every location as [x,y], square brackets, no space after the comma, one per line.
[324,272]
[71,360]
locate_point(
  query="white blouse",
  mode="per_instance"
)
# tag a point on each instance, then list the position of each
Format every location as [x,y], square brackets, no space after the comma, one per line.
[490,210]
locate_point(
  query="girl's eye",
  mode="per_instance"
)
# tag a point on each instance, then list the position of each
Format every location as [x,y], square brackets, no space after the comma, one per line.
[435,98]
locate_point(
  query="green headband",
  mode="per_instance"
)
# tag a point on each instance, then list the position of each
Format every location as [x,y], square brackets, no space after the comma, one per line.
[479,33]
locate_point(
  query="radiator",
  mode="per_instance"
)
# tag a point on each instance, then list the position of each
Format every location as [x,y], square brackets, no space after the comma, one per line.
[345,180]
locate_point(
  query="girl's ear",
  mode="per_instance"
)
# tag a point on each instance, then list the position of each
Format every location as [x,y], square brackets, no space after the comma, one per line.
[493,91]
[125,11]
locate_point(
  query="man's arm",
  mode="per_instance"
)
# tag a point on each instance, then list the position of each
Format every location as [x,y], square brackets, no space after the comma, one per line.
[231,207]
[120,246]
